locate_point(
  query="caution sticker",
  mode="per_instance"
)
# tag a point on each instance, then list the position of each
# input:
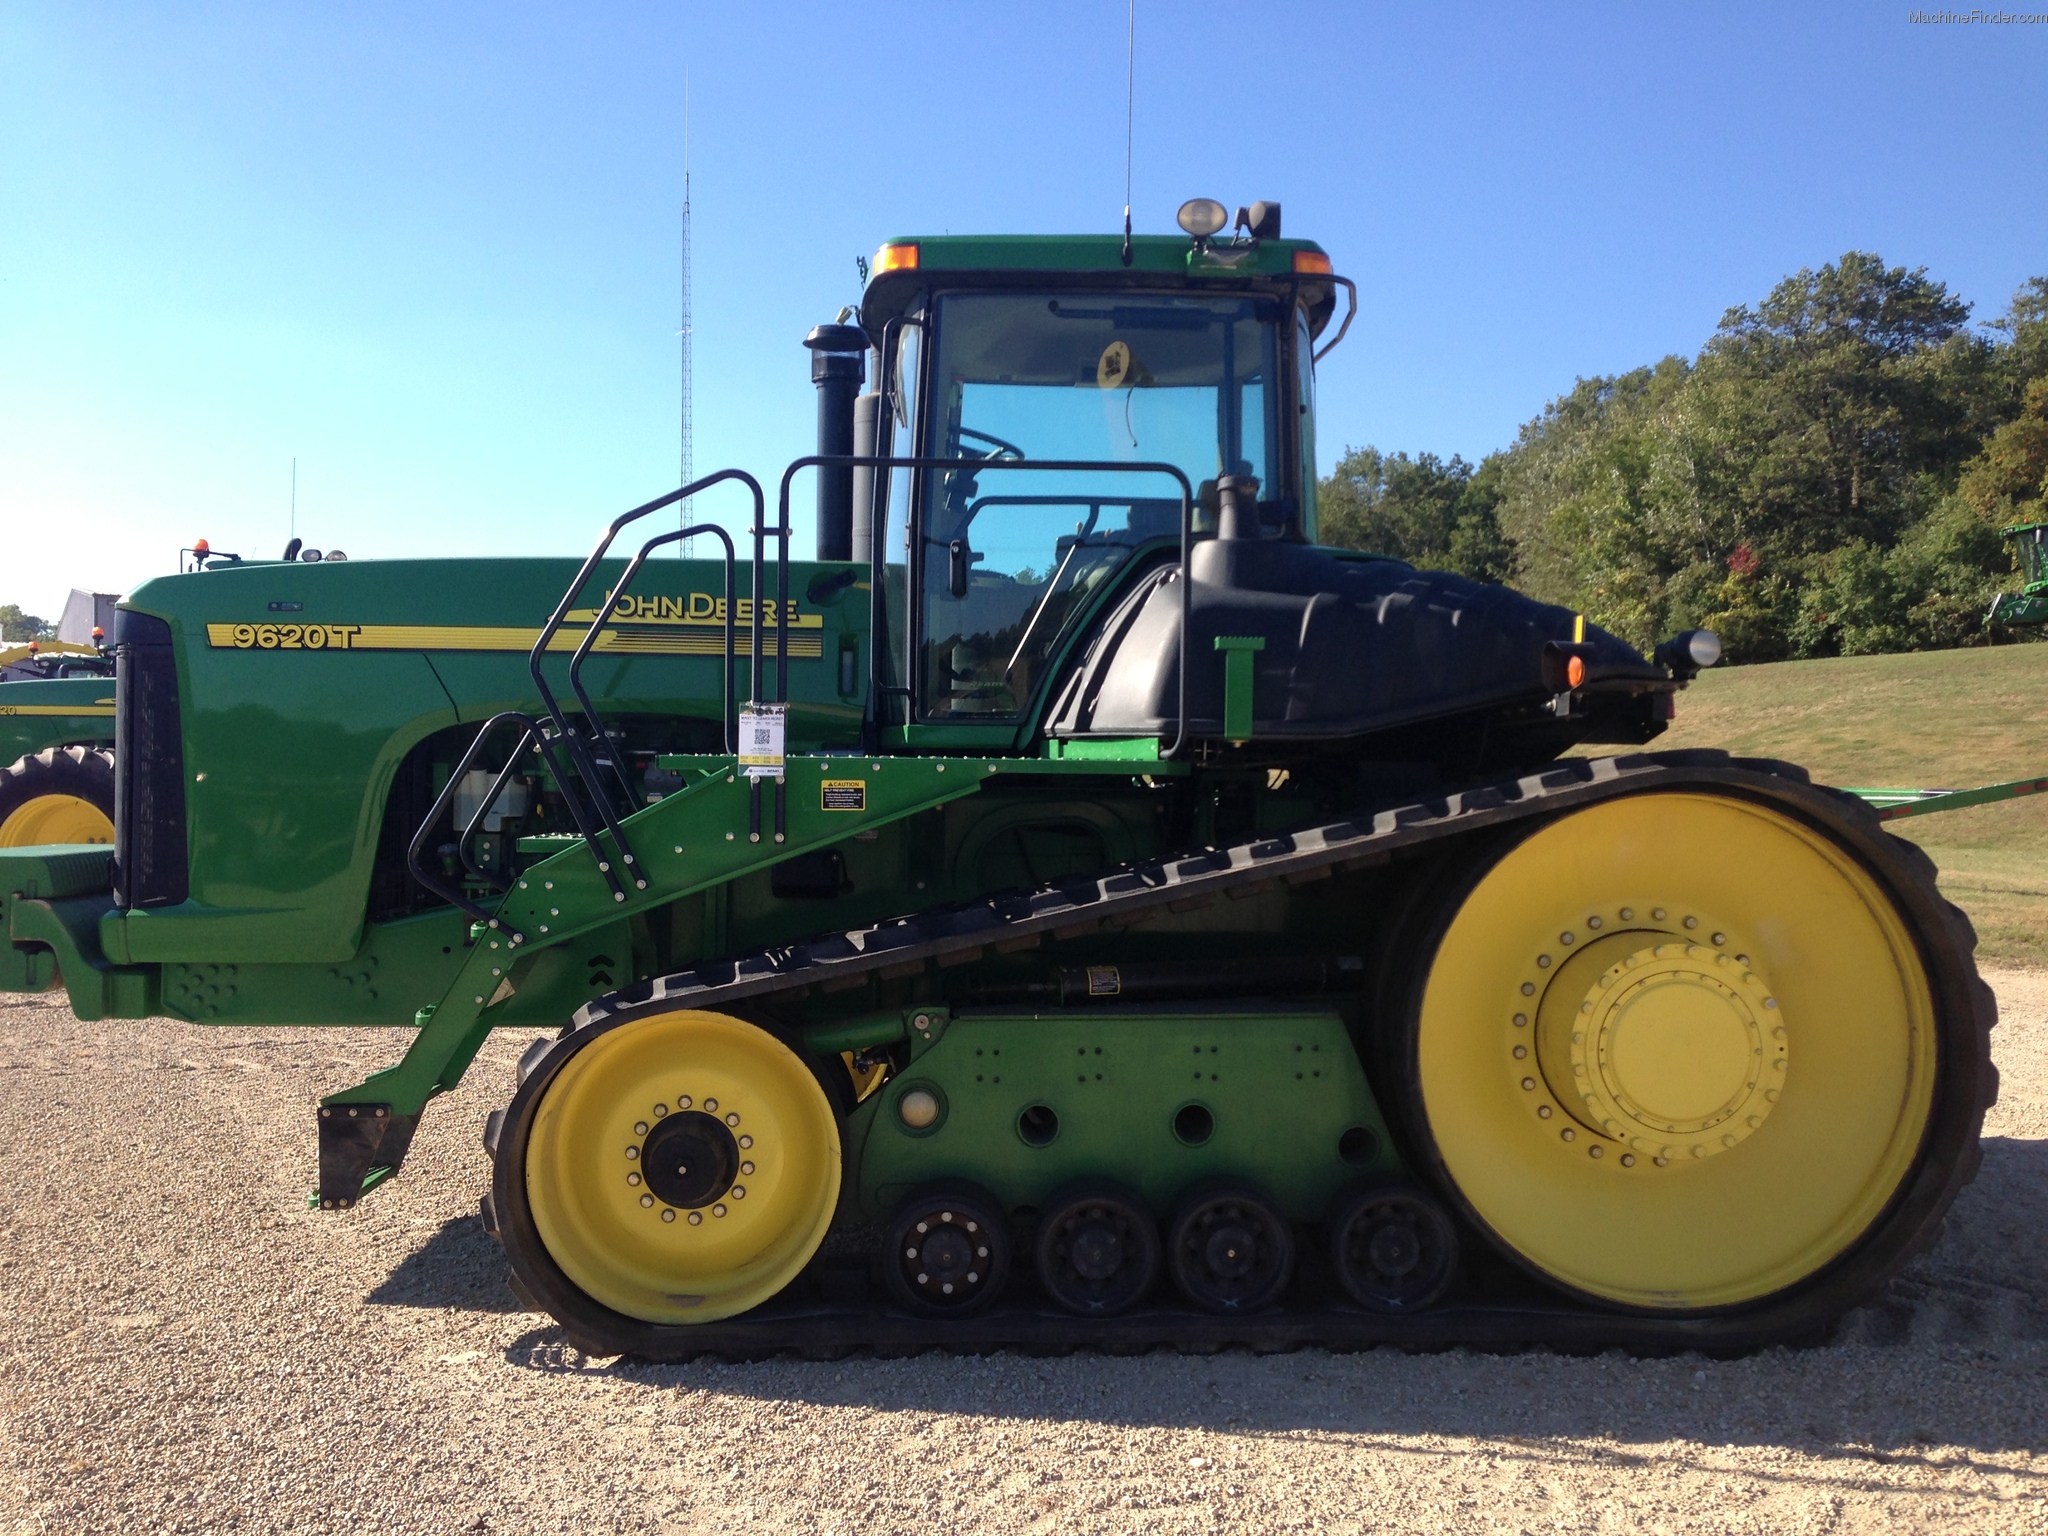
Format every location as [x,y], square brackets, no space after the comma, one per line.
[843,795]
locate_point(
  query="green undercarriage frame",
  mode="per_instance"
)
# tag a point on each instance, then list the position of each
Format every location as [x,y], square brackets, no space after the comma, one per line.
[695,839]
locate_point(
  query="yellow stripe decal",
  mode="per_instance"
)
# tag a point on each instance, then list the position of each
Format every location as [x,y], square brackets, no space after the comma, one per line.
[85,709]
[642,640]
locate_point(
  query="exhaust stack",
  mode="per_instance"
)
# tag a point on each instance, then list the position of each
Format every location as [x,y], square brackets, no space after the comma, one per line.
[838,367]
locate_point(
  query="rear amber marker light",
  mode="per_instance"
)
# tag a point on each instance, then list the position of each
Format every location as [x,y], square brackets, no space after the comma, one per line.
[897,258]
[1311,261]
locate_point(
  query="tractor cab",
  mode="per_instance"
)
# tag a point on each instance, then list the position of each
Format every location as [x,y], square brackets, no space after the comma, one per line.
[1089,396]
[2029,605]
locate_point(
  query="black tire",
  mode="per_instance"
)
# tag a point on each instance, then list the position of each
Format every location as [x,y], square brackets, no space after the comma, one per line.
[1393,1247]
[1097,1249]
[82,773]
[1230,1250]
[948,1252]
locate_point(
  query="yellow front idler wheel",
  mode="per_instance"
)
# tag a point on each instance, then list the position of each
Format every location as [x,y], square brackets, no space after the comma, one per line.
[1676,1051]
[682,1168]
[55,819]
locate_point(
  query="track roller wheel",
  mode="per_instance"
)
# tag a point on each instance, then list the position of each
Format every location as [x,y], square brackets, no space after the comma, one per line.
[1692,1051]
[1098,1249]
[1393,1247]
[58,795]
[948,1253]
[678,1168]
[1230,1249]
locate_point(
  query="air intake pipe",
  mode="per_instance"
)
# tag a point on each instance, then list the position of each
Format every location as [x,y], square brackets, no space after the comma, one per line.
[838,366]
[867,430]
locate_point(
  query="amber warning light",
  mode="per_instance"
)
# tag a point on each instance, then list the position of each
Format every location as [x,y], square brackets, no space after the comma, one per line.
[895,258]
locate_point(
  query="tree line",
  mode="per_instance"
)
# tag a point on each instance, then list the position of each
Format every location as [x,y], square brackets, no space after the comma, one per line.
[16,625]
[1827,477]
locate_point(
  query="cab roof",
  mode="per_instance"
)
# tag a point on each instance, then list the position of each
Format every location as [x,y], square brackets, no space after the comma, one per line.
[905,266]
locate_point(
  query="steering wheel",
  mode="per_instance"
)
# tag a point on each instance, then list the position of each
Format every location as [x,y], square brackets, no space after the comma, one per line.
[1002,447]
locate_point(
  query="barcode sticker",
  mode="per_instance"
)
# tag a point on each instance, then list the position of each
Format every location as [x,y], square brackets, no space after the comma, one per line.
[761,738]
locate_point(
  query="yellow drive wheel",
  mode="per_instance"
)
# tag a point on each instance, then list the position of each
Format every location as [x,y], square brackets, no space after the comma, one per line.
[55,819]
[1676,1051]
[58,795]
[682,1168]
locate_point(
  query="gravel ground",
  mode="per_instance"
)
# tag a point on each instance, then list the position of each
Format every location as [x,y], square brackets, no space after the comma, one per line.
[186,1348]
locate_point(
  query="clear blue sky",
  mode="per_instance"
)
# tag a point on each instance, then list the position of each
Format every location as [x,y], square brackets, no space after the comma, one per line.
[431,250]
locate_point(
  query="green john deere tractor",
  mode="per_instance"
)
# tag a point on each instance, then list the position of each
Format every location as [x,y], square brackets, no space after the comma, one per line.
[56,744]
[1072,908]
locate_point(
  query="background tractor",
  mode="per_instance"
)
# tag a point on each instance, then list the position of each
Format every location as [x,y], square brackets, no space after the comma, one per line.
[56,738]
[1073,907]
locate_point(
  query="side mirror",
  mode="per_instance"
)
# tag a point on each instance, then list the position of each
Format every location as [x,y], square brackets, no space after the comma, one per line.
[1688,652]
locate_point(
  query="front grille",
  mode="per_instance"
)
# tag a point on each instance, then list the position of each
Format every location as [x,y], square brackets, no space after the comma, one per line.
[149,766]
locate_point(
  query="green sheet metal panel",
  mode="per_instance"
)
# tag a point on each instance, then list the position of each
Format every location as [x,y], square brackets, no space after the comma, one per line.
[1281,1091]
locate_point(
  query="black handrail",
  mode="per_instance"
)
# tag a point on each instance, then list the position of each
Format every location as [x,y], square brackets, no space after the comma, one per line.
[878,527]
[781,533]
[611,603]
[584,764]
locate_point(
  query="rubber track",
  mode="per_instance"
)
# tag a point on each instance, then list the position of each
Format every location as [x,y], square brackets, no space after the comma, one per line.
[1127,895]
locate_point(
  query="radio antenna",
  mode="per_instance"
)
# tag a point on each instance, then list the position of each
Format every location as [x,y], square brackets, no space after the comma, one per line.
[683,332]
[1130,98]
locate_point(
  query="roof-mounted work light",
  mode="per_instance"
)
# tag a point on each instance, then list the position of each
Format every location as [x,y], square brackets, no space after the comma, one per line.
[1203,216]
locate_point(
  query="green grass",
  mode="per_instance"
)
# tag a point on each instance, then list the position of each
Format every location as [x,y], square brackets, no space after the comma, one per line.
[1946,719]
